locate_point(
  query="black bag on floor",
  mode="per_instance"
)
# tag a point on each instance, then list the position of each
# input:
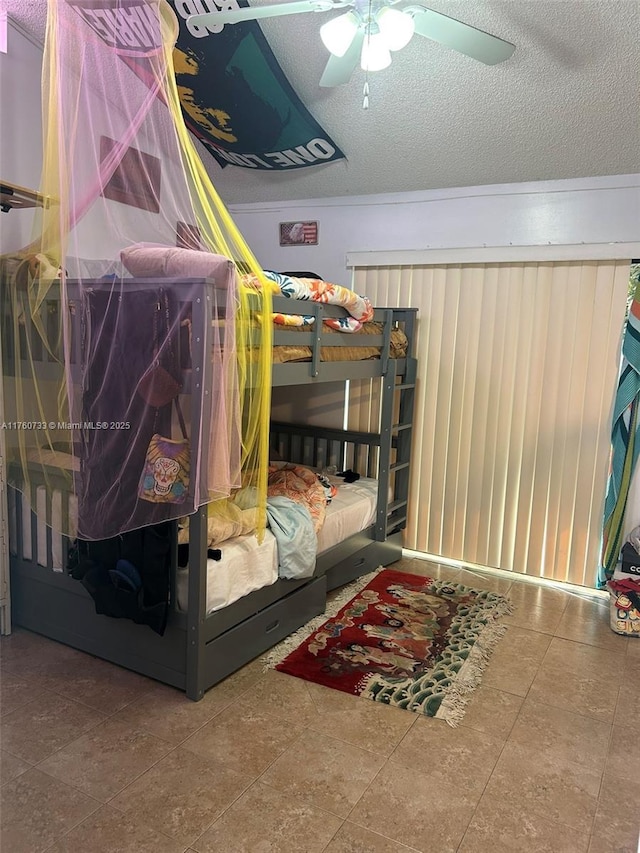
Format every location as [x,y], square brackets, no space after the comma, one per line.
[127,576]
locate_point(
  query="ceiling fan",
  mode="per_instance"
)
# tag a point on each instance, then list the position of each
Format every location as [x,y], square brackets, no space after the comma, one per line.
[369,32]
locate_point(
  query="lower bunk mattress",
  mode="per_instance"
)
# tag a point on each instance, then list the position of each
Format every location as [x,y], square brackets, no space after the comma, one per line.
[246,565]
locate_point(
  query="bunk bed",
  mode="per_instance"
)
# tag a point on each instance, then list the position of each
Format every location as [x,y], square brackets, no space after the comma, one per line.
[201,646]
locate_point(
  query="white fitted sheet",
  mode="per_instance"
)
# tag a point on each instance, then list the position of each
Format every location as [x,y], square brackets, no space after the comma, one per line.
[351,510]
[247,565]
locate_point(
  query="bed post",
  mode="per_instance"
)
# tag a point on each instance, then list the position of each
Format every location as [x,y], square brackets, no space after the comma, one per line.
[201,314]
[386,443]
[5,591]
[196,613]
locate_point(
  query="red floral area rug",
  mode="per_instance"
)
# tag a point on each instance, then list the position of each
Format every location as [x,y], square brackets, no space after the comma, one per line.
[405,640]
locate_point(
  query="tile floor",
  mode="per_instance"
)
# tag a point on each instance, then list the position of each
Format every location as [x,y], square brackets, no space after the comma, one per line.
[96,759]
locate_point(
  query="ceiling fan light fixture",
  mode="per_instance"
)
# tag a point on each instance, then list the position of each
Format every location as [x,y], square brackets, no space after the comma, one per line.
[396,27]
[375,53]
[338,33]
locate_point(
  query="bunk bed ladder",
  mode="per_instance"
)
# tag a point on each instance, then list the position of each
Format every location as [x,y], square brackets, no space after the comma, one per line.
[402,439]
[395,448]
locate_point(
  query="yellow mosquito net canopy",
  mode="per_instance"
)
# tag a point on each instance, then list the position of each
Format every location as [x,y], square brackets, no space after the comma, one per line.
[137,324]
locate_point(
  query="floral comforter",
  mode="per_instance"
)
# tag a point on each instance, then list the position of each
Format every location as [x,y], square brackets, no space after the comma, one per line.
[301,485]
[316,290]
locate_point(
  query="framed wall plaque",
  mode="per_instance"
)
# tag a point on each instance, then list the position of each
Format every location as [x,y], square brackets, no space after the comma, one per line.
[136,180]
[298,233]
[188,236]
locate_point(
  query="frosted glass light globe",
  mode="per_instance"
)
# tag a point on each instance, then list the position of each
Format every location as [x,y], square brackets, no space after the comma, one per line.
[396,27]
[338,33]
[375,53]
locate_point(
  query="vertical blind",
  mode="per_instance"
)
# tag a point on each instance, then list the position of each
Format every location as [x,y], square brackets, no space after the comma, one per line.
[517,369]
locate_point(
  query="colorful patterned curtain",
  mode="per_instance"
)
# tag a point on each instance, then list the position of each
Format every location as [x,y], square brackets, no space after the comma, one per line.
[625,437]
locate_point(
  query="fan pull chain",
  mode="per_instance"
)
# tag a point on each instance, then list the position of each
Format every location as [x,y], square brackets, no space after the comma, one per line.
[365,91]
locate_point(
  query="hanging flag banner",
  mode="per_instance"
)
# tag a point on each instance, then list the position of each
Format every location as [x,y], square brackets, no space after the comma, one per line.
[236,99]
[130,27]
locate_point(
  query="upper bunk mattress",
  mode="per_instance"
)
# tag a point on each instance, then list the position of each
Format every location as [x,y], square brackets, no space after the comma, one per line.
[398,346]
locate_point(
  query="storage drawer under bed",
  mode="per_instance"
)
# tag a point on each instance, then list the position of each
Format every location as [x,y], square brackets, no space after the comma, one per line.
[231,650]
[345,567]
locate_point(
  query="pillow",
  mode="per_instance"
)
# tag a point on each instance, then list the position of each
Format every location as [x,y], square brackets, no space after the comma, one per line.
[225,521]
[147,259]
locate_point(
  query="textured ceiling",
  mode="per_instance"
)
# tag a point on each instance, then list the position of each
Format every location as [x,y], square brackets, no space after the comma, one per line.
[567,104]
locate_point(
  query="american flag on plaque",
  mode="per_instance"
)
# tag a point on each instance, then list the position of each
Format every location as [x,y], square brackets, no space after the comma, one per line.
[298,233]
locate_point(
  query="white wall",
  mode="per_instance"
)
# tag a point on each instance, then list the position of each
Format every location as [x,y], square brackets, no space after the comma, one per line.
[20,131]
[584,210]
[107,226]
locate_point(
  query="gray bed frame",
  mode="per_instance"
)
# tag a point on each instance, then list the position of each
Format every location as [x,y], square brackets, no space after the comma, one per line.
[198,649]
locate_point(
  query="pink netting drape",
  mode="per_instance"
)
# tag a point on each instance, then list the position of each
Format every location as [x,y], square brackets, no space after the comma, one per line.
[136,350]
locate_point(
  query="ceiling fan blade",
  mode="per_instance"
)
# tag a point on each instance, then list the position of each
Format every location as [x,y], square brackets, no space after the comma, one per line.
[461,37]
[253,13]
[339,69]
